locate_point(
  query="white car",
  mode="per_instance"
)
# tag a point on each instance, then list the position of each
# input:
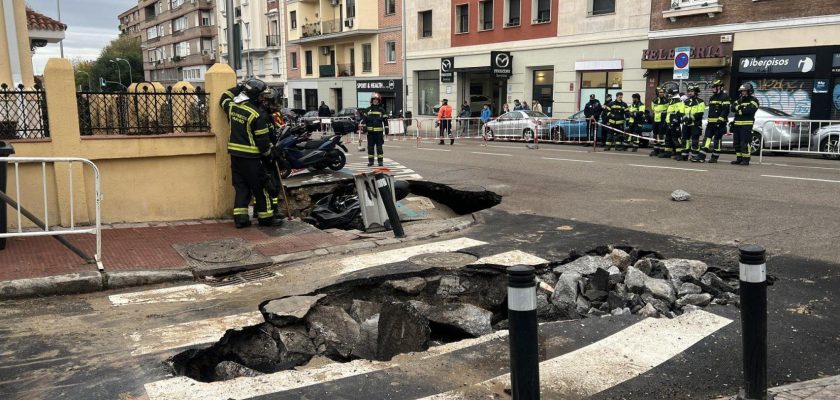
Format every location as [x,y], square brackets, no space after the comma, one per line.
[518,124]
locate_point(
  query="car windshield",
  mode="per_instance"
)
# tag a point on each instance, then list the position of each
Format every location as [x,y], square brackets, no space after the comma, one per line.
[578,115]
[311,114]
[535,114]
[347,111]
[774,112]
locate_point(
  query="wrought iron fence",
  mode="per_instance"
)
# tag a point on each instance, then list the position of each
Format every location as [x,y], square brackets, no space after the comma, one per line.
[144,111]
[23,113]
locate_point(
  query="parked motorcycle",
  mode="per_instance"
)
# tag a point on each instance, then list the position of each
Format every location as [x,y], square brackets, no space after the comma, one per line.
[294,150]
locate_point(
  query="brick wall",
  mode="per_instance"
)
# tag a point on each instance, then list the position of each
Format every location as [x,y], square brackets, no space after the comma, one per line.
[391,19]
[293,73]
[390,68]
[739,11]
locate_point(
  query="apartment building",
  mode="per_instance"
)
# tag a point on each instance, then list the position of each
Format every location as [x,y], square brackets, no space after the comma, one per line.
[130,22]
[343,52]
[260,35]
[788,50]
[178,38]
[494,52]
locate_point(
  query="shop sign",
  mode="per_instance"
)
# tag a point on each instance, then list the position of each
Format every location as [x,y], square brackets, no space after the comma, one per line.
[695,53]
[777,64]
[682,59]
[377,85]
[447,68]
[820,86]
[501,62]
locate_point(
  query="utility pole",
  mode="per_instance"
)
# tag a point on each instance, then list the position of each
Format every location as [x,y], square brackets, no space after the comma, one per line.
[230,36]
[61,43]
[119,73]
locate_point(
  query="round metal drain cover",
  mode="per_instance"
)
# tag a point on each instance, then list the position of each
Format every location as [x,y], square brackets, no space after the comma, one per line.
[218,252]
[443,260]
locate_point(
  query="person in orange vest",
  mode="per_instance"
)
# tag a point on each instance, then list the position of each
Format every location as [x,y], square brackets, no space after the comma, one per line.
[444,122]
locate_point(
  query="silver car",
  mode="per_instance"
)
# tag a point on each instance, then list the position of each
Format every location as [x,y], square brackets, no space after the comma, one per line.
[520,124]
[779,129]
[827,141]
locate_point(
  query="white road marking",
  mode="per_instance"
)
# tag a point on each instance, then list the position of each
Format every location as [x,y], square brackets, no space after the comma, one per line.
[505,147]
[511,258]
[804,166]
[566,151]
[615,153]
[167,295]
[661,167]
[800,179]
[425,149]
[391,145]
[190,333]
[612,360]
[567,159]
[492,154]
[364,261]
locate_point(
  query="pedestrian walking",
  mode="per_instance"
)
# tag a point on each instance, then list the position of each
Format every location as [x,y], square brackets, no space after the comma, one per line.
[659,106]
[517,106]
[249,146]
[464,119]
[525,106]
[324,112]
[618,116]
[592,111]
[636,117]
[486,115]
[719,105]
[505,108]
[444,122]
[744,108]
[374,121]
[537,106]
[694,107]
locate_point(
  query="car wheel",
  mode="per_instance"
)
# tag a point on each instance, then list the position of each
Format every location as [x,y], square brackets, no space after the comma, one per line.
[489,136]
[528,135]
[755,142]
[831,145]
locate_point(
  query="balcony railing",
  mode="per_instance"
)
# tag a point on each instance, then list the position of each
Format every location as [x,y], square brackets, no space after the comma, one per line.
[272,40]
[331,26]
[321,28]
[346,70]
[311,29]
[326,70]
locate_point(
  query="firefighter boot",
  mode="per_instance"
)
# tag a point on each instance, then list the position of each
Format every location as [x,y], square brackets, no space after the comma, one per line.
[714,159]
[745,161]
[737,161]
[241,221]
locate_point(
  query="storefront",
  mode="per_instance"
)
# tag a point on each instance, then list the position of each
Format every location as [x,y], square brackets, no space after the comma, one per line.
[599,78]
[803,81]
[710,60]
[389,90]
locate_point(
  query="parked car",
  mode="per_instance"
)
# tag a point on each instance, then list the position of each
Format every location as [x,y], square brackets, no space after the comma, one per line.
[827,140]
[574,128]
[785,131]
[354,113]
[311,121]
[519,125]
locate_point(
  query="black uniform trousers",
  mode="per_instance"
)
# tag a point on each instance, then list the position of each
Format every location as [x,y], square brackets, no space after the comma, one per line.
[713,139]
[672,137]
[375,140]
[249,179]
[446,130]
[692,139]
[659,134]
[742,140]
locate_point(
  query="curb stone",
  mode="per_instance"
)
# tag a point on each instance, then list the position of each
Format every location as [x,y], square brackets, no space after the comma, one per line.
[84,282]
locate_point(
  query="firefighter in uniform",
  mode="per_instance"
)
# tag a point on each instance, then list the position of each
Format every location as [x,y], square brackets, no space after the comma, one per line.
[635,121]
[267,111]
[249,147]
[673,118]
[744,109]
[618,114]
[444,122]
[693,110]
[592,112]
[719,105]
[659,106]
[374,122]
[605,118]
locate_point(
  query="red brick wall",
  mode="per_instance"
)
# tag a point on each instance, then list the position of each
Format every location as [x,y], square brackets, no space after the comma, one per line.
[739,11]
[293,73]
[390,68]
[392,19]
[499,33]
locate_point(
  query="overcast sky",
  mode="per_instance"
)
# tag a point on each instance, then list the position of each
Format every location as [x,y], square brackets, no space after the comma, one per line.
[91,24]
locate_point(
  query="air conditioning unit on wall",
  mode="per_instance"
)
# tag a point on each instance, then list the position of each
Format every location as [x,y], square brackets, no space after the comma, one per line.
[348,23]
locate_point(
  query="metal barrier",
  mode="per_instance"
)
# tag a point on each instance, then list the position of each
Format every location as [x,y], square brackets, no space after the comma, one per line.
[811,137]
[23,113]
[96,229]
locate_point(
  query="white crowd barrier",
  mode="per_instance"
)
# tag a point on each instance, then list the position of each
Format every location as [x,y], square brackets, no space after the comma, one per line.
[809,137]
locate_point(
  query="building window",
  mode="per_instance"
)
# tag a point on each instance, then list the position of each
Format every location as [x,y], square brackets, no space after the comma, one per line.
[297,98]
[390,7]
[462,12]
[601,7]
[152,33]
[179,24]
[542,11]
[275,65]
[367,58]
[428,92]
[307,60]
[293,19]
[390,52]
[293,59]
[600,83]
[485,15]
[425,23]
[260,66]
[182,49]
[351,8]
[175,4]
[206,19]
[513,12]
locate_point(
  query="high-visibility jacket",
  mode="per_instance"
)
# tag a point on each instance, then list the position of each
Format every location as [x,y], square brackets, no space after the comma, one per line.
[374,119]
[605,113]
[249,129]
[618,112]
[719,105]
[693,109]
[659,105]
[445,112]
[744,109]
[637,113]
[674,112]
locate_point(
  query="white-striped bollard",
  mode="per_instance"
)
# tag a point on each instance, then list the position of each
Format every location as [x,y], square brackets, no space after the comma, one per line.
[753,270]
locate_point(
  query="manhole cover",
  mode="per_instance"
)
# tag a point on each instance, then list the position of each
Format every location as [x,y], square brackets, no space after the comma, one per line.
[443,260]
[218,252]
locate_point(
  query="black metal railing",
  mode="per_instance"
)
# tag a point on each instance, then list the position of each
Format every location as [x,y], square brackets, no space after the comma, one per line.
[143,112]
[327,70]
[272,40]
[23,113]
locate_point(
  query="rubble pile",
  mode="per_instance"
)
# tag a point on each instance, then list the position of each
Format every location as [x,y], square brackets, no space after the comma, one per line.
[379,319]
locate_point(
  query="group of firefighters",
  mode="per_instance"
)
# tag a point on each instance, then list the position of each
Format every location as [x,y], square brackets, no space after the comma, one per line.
[678,122]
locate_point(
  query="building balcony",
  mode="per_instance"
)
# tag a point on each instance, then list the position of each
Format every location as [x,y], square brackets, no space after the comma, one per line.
[346,70]
[328,30]
[692,7]
[326,71]
[272,40]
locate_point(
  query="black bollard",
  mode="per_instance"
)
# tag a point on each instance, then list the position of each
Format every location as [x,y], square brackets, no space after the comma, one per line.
[390,207]
[754,321]
[522,319]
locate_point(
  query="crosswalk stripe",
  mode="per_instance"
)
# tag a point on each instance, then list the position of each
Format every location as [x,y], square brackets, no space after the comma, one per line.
[364,261]
[610,361]
[189,333]
[511,258]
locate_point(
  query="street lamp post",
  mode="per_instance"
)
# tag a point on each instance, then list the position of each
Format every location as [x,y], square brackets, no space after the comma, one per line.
[90,87]
[61,43]
[130,78]
[119,73]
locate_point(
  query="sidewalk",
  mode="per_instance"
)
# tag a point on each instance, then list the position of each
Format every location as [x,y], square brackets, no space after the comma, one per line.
[817,389]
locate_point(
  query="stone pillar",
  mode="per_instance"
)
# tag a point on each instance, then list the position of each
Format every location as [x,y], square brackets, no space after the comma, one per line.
[219,78]
[59,86]
[23,56]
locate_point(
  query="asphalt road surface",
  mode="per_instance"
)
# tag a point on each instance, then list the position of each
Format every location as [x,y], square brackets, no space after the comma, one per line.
[789,204]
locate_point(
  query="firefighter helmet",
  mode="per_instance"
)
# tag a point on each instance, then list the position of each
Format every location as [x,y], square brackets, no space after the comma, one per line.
[253,88]
[717,83]
[748,87]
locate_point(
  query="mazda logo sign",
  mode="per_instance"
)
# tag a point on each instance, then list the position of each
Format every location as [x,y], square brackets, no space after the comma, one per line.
[502,60]
[446,65]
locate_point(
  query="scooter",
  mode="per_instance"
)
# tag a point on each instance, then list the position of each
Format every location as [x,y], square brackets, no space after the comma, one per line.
[294,151]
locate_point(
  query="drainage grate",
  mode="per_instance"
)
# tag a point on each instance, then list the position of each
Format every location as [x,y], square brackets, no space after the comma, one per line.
[443,260]
[239,278]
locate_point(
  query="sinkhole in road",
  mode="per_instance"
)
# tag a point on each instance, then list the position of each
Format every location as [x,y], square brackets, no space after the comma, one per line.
[379,318]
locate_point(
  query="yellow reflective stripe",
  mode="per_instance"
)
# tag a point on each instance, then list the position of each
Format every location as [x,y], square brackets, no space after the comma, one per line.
[261,132]
[240,211]
[742,123]
[263,215]
[243,148]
